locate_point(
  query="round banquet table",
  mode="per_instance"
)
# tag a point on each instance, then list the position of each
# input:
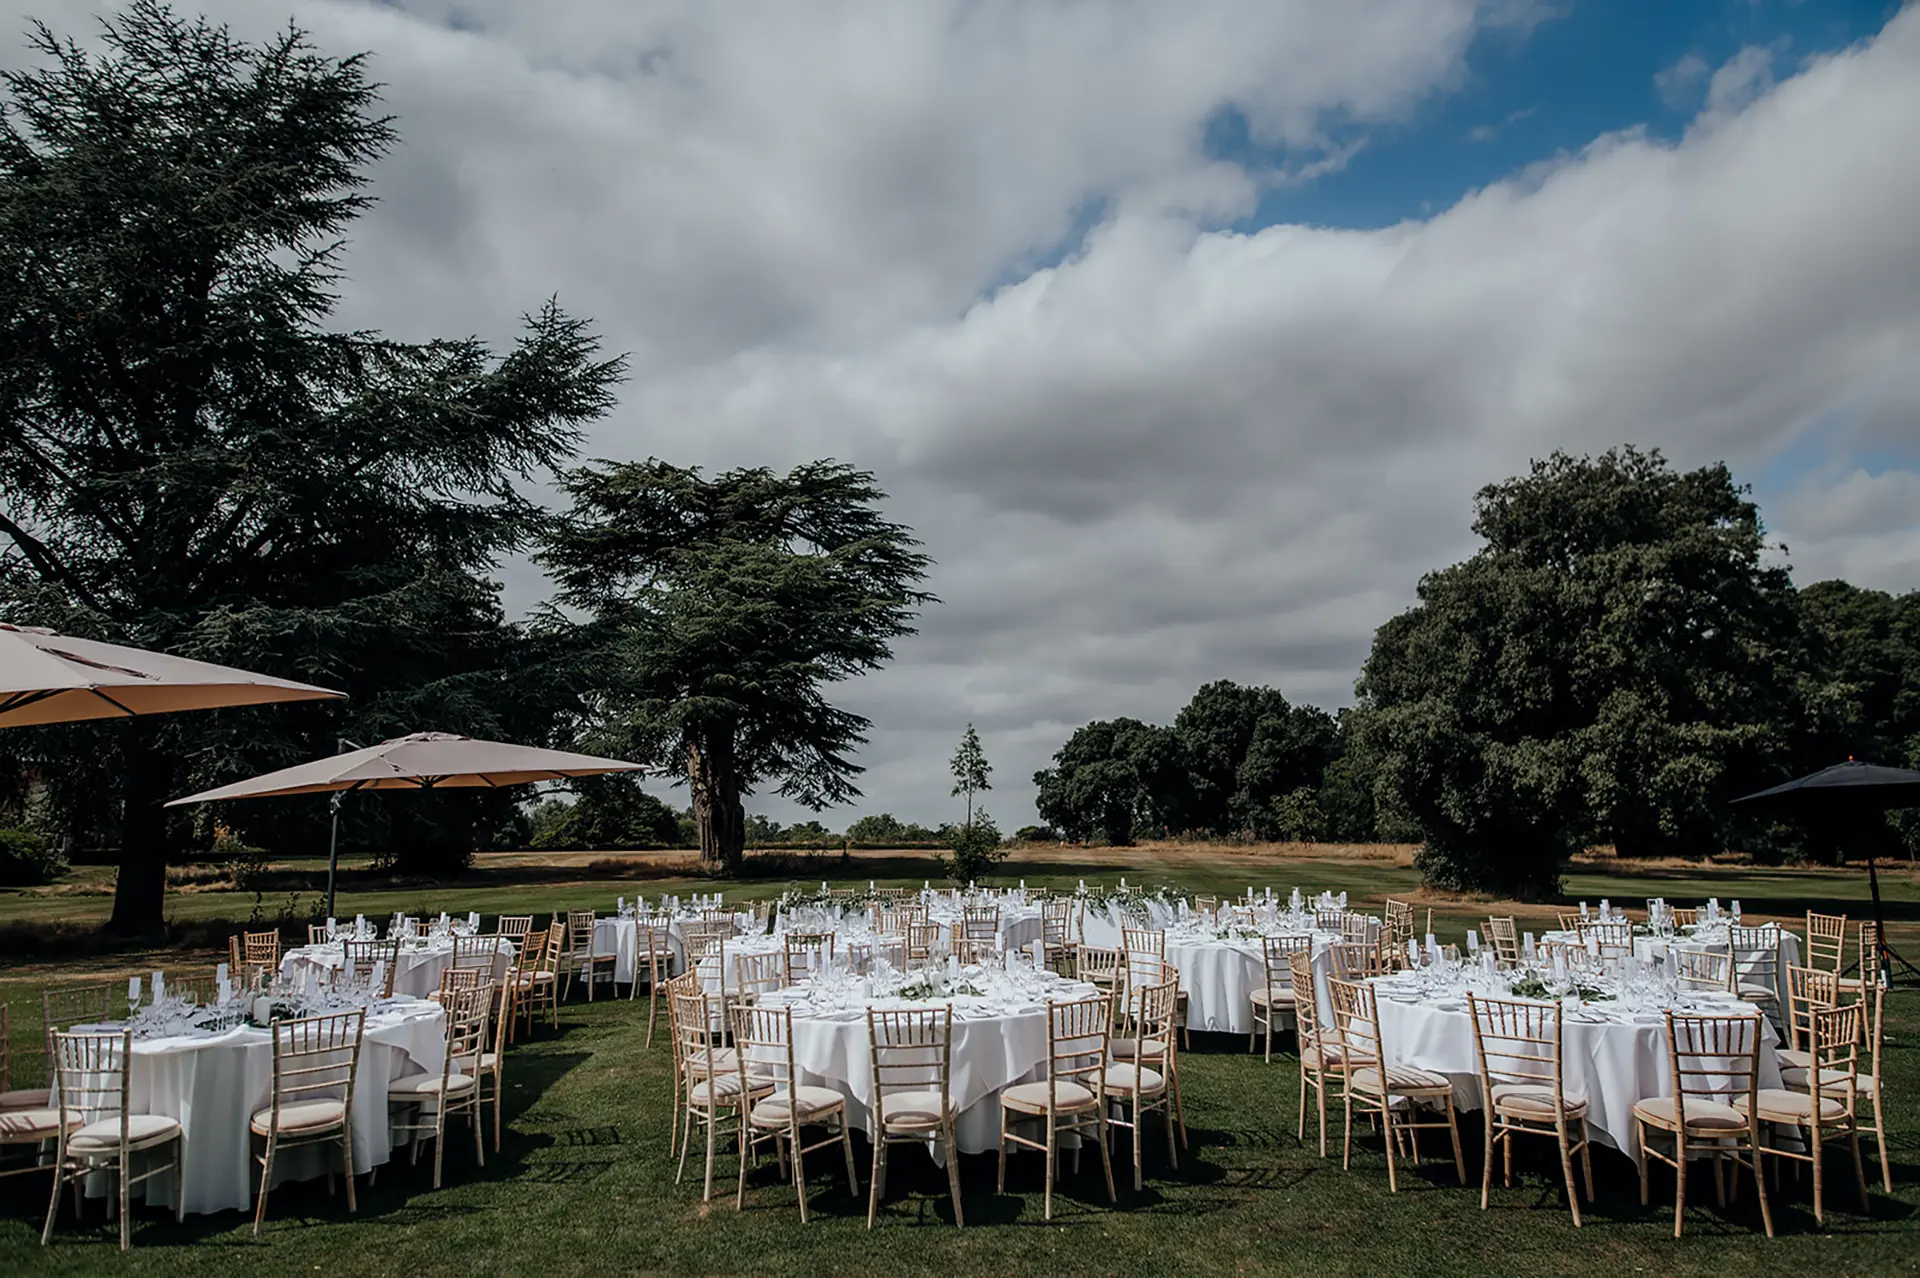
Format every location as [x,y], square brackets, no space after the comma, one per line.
[420,964]
[1611,1057]
[1219,978]
[214,1083]
[1747,962]
[993,1048]
[620,937]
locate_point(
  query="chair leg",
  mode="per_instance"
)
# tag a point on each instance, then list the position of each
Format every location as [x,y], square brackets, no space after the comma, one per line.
[479,1140]
[1453,1129]
[1859,1170]
[1760,1178]
[744,1142]
[1566,1170]
[1106,1160]
[1386,1118]
[1301,1133]
[800,1171]
[53,1206]
[1486,1163]
[1173,1151]
[439,1141]
[1053,1146]
[706,1191]
[953,1175]
[846,1142]
[126,1211]
[1679,1183]
[1000,1185]
[1819,1179]
[266,1178]
[1586,1157]
[346,1161]
[877,1170]
[1640,1136]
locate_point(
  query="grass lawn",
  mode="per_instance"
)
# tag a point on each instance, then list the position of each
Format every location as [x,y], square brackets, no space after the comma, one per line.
[584,1184]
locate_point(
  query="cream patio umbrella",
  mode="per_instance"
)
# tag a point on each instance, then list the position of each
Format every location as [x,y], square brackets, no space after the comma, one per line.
[53,678]
[422,761]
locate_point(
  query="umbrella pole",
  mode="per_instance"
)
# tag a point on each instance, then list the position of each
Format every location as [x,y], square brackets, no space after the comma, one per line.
[333,852]
[1890,961]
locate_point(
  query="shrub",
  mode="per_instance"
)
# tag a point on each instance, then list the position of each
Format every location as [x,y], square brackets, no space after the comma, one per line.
[27,859]
[975,849]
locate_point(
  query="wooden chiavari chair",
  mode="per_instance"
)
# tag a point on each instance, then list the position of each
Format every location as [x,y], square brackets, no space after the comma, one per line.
[763,1037]
[1072,1098]
[1354,960]
[582,957]
[1570,921]
[1398,931]
[537,983]
[759,974]
[911,1054]
[1714,1060]
[359,959]
[1518,1046]
[1056,932]
[97,1130]
[1330,920]
[1855,987]
[1205,904]
[1828,1109]
[801,947]
[1143,1082]
[652,960]
[1146,950]
[317,934]
[1826,941]
[976,950]
[315,1062]
[922,940]
[1686,917]
[1319,1044]
[1376,1086]
[1273,999]
[490,1068]
[428,1099]
[715,1087]
[250,952]
[1614,934]
[459,980]
[1709,970]
[978,921]
[516,928]
[1503,935]
[1757,950]
[1808,989]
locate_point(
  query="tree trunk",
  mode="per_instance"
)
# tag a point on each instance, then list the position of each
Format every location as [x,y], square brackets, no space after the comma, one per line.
[139,894]
[718,814]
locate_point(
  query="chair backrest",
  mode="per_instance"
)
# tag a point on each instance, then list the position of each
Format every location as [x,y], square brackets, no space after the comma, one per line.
[1077,1041]
[1329,920]
[62,1009]
[980,920]
[763,1039]
[89,1073]
[702,940]
[315,1058]
[1503,934]
[467,1017]
[261,949]
[1517,1044]
[910,1051]
[579,933]
[1869,955]
[1687,917]
[1097,964]
[699,1026]
[1701,969]
[461,979]
[1353,960]
[1306,1013]
[1836,1051]
[1206,904]
[361,957]
[515,928]
[1356,1020]
[921,940]
[1570,920]
[198,987]
[1056,923]
[1277,953]
[1399,923]
[1826,940]
[1151,1013]
[1144,947]
[1759,949]
[1355,926]
[317,934]
[1713,1058]
[800,951]
[759,974]
[1808,990]
[1611,932]
[476,951]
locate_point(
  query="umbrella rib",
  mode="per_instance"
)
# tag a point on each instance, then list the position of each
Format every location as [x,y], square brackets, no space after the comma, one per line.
[17,700]
[110,701]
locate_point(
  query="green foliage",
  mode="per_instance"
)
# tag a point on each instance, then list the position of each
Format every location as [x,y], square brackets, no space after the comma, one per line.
[1111,777]
[974,849]
[1614,665]
[191,460]
[970,769]
[611,813]
[28,858]
[721,608]
[885,831]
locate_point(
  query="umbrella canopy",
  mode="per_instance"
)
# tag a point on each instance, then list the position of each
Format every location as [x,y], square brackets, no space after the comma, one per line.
[1849,786]
[54,678]
[425,760]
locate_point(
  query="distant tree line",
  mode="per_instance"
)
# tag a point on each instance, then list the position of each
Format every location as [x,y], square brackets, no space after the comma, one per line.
[1618,661]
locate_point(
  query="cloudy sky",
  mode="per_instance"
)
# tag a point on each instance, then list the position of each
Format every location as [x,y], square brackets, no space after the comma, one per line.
[1182,332]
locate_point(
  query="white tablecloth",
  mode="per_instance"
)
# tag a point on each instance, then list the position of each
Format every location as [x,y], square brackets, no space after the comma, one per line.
[213,1084]
[1747,962]
[1219,978]
[990,1052]
[620,937]
[416,976]
[1612,1063]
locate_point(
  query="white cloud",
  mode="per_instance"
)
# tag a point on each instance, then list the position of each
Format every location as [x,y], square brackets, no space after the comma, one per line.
[1179,453]
[1679,84]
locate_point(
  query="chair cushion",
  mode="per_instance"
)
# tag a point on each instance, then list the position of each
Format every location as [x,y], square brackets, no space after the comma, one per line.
[725,1061]
[306,1116]
[1325,1056]
[912,1111]
[1795,1058]
[1031,1098]
[1122,1078]
[1795,1080]
[1279,997]
[142,1130]
[806,1101]
[22,1125]
[1759,993]
[1128,1048]
[1534,1101]
[467,1065]
[1402,1080]
[1778,1105]
[429,1085]
[724,1087]
[26,1098]
[1702,1115]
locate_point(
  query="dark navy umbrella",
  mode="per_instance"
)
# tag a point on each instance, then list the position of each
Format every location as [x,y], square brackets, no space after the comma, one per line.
[1847,790]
